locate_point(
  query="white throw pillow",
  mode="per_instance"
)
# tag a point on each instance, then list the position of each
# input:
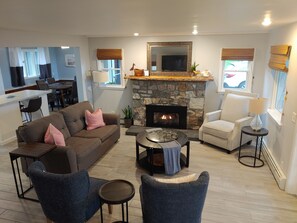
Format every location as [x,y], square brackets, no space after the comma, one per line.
[177,180]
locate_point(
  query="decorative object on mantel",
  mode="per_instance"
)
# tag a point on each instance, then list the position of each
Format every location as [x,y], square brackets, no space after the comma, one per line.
[205,73]
[139,72]
[194,69]
[128,116]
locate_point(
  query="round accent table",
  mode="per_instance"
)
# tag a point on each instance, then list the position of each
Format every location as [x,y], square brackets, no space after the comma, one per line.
[117,192]
[257,156]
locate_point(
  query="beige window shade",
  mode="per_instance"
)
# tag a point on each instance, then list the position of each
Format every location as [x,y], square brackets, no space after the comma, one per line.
[238,54]
[109,54]
[279,56]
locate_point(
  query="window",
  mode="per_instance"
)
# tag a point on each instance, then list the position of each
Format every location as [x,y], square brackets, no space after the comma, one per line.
[110,60]
[236,72]
[279,61]
[279,91]
[113,67]
[31,65]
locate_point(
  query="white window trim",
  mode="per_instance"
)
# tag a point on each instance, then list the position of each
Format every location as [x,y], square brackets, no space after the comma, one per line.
[250,75]
[113,86]
[275,114]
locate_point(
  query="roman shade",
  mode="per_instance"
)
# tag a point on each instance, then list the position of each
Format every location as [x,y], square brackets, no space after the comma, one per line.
[109,54]
[279,56]
[238,54]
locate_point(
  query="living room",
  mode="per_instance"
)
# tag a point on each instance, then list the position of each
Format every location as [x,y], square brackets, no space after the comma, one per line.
[281,141]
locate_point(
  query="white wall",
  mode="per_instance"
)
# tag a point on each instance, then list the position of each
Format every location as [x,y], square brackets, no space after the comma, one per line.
[281,140]
[206,52]
[13,38]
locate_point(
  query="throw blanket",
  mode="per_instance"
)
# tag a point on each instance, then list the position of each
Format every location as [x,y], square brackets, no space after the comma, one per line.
[171,151]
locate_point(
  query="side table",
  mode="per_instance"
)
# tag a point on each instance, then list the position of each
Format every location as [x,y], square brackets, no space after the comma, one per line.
[34,152]
[117,192]
[257,156]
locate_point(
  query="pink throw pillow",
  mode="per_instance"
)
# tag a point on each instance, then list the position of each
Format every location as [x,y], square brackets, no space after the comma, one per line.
[54,136]
[94,120]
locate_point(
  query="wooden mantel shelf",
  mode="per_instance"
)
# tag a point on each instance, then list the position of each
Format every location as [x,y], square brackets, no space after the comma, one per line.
[170,78]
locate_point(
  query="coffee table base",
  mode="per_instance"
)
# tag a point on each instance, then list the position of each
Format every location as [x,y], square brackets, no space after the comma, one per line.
[144,162]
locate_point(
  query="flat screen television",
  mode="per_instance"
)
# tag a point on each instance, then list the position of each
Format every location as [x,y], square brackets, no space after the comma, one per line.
[174,63]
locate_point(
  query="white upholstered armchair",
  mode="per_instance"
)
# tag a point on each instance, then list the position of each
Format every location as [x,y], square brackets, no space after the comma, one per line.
[222,128]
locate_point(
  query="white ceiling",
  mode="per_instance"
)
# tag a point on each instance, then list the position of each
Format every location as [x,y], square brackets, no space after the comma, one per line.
[148,17]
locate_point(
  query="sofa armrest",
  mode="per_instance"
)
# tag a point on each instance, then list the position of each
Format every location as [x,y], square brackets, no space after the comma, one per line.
[61,160]
[212,116]
[111,119]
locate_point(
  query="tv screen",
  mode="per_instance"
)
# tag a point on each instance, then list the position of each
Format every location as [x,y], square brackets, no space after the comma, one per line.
[174,63]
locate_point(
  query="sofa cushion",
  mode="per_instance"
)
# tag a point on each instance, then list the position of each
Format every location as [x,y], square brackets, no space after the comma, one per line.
[219,128]
[75,116]
[34,131]
[94,120]
[54,136]
[102,133]
[235,107]
[87,150]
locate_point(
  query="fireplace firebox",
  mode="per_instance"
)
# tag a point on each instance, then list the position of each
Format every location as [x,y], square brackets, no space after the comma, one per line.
[167,116]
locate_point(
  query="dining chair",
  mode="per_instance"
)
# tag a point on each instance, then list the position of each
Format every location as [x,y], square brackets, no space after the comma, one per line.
[72,96]
[50,80]
[51,97]
[33,106]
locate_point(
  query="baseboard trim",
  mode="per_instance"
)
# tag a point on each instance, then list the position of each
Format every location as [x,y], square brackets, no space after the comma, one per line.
[278,174]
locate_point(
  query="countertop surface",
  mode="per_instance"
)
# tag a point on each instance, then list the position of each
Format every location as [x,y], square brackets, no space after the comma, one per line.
[21,96]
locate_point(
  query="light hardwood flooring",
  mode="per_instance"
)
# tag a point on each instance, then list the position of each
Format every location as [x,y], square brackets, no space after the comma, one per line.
[236,193]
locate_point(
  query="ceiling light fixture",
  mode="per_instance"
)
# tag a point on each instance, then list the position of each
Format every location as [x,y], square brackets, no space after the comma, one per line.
[136,34]
[195,30]
[266,21]
[65,47]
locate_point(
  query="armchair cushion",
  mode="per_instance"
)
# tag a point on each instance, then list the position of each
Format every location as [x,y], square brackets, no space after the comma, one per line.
[232,101]
[219,128]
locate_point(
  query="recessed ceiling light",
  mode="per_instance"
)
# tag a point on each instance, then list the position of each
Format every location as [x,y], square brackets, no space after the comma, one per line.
[136,34]
[266,21]
[195,30]
[64,47]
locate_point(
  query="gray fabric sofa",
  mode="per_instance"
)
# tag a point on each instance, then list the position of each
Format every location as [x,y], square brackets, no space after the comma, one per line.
[83,148]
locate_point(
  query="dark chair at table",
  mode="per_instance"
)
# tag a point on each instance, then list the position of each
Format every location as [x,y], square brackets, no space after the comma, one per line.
[50,80]
[33,106]
[51,97]
[72,96]
[173,202]
[66,197]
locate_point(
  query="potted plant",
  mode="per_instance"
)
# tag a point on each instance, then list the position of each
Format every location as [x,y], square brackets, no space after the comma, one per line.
[194,67]
[128,116]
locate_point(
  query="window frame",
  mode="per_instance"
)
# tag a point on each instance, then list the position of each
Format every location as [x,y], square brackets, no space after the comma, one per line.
[273,111]
[100,67]
[249,79]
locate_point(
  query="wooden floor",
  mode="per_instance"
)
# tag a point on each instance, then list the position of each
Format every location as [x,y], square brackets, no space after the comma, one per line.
[236,193]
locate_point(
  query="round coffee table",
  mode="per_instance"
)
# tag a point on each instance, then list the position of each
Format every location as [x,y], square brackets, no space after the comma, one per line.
[117,192]
[152,158]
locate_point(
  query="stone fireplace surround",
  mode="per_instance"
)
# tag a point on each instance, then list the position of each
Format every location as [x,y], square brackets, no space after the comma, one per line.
[183,91]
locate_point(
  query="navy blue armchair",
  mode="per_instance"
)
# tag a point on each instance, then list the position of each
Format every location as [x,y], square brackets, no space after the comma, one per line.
[66,197]
[173,202]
